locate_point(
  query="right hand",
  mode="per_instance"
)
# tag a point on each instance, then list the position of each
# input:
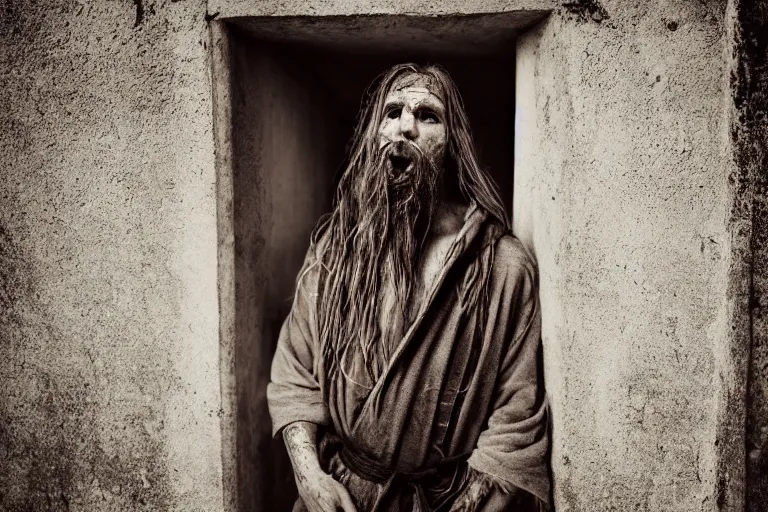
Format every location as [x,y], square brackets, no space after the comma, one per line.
[321,493]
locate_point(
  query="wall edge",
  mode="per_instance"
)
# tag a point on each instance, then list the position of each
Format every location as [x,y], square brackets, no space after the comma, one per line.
[222,126]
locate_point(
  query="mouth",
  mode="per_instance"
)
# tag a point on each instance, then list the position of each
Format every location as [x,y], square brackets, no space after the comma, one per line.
[400,164]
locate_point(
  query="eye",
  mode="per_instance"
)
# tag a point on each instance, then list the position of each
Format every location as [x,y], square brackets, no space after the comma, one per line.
[394,112]
[428,116]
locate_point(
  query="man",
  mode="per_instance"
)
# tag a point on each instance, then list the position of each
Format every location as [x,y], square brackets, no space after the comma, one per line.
[407,374]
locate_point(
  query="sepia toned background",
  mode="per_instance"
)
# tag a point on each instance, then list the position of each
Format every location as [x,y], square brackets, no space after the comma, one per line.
[162,164]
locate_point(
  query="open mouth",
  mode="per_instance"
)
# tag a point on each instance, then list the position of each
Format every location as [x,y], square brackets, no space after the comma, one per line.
[400,164]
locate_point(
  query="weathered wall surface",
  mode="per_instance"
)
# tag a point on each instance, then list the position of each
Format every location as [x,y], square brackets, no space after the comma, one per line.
[108,307]
[622,160]
[644,206]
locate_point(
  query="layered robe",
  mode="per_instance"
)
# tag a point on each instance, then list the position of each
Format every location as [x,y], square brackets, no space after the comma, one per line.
[461,388]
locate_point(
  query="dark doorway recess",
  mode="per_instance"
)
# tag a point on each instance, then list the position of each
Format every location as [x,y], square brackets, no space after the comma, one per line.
[296,89]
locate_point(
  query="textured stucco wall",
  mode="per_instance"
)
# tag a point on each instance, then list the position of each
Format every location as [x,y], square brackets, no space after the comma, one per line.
[640,183]
[108,306]
[622,160]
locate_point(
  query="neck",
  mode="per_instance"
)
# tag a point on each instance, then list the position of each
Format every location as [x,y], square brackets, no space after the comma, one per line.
[449,209]
[448,217]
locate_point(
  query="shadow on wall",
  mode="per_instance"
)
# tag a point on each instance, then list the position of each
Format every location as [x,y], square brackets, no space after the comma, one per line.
[294,108]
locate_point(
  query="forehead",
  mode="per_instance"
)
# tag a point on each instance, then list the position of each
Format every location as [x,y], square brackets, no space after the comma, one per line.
[415,88]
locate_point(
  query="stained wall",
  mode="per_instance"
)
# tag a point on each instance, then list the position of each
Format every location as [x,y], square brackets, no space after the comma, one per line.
[637,184]
[622,190]
[748,126]
[108,306]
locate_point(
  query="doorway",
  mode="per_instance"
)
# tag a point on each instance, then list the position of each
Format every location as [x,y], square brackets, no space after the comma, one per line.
[296,86]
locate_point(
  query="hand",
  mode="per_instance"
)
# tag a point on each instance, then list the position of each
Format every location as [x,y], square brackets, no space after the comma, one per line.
[318,490]
[321,493]
[474,493]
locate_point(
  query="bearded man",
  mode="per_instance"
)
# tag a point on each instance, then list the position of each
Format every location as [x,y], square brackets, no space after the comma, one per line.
[407,374]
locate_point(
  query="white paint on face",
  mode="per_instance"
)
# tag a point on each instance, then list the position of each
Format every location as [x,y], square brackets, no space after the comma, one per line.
[415,114]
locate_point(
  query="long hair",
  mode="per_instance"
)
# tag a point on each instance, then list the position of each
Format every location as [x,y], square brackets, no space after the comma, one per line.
[350,249]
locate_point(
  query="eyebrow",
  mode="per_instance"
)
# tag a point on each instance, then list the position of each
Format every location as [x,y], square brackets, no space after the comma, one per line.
[425,103]
[394,103]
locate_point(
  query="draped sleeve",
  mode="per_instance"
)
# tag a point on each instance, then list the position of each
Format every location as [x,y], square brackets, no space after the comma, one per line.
[294,392]
[513,447]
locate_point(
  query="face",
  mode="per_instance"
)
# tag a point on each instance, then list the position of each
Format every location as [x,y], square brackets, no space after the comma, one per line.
[413,113]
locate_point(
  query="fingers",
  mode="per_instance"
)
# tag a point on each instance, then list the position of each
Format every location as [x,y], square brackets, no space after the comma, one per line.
[346,500]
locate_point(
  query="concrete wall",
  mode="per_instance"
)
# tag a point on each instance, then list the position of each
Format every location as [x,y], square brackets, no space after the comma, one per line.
[243,8]
[640,185]
[108,306]
[621,188]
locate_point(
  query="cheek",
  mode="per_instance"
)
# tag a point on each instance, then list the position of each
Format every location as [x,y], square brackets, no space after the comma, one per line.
[386,130]
[434,139]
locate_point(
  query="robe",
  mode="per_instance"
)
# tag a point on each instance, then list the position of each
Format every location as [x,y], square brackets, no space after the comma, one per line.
[462,388]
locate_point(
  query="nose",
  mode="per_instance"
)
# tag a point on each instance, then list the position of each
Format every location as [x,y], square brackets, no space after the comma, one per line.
[408,127]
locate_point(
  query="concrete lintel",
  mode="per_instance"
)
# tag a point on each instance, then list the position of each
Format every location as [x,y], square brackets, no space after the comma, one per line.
[242,8]
[465,34]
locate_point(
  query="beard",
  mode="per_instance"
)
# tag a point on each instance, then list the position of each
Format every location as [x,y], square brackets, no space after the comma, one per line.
[405,215]
[377,232]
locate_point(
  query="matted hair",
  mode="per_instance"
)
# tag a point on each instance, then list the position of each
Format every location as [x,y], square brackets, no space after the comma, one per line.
[474,182]
[350,255]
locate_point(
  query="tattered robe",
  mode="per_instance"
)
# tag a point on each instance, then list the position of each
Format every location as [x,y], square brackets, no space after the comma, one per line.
[460,385]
